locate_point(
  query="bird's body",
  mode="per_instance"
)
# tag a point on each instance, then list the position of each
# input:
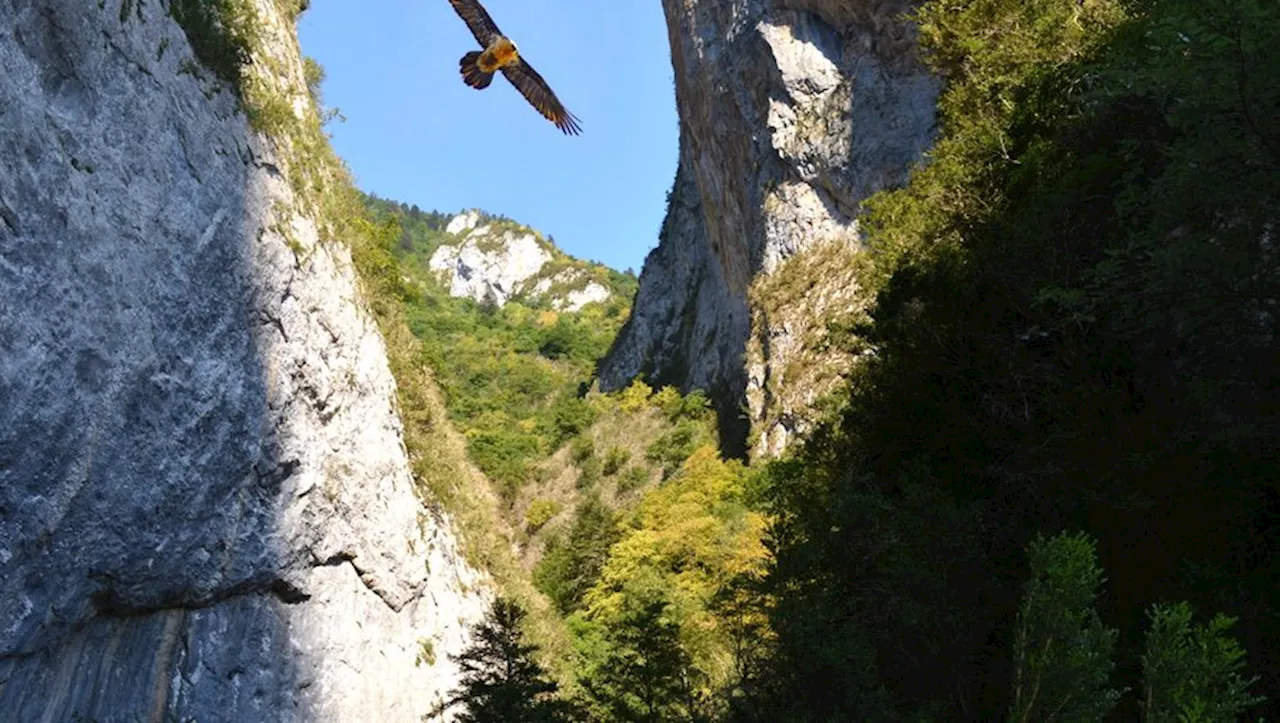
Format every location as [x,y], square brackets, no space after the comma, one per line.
[500,54]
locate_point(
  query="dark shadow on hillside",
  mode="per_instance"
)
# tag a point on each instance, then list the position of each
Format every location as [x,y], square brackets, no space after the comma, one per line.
[1091,358]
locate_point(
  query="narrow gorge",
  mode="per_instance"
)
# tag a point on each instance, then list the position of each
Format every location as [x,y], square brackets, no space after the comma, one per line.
[208,506]
[952,369]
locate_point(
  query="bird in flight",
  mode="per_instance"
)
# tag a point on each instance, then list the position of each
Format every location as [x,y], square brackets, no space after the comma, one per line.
[478,66]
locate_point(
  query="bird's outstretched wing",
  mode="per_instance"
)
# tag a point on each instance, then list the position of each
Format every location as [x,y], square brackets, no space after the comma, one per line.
[535,90]
[477,19]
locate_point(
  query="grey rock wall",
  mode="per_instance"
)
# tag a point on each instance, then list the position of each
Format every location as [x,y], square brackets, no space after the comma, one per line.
[792,112]
[206,510]
[686,328]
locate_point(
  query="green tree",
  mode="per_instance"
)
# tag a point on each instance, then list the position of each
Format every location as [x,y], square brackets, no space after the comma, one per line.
[683,548]
[675,446]
[1192,673]
[572,564]
[1062,653]
[570,415]
[641,672]
[501,681]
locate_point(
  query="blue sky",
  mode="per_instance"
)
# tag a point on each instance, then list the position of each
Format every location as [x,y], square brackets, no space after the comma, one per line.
[415,133]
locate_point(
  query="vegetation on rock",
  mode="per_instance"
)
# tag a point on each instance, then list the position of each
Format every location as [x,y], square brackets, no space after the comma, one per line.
[510,375]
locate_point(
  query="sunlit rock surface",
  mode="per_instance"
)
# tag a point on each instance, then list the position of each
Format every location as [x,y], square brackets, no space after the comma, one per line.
[490,264]
[206,511]
[493,262]
[792,112]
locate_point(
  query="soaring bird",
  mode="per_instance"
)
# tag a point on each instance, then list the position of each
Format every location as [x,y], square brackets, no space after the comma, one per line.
[478,66]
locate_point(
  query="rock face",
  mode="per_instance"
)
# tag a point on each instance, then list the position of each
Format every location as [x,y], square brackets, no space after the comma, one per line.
[206,510]
[495,262]
[580,290]
[490,264]
[792,112]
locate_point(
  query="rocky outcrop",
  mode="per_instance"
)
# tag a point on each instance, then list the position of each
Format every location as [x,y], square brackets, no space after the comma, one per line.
[685,329]
[792,112]
[463,222]
[206,510]
[569,290]
[489,264]
[496,261]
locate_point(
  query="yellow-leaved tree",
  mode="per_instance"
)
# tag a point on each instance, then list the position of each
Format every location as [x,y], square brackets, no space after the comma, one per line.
[682,548]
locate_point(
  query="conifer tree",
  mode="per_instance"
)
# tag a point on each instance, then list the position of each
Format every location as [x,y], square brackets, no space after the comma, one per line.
[501,681]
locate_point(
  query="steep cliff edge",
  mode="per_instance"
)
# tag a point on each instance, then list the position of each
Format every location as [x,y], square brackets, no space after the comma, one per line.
[206,507]
[792,112]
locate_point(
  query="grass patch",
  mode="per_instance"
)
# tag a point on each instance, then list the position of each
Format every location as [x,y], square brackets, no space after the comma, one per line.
[223,35]
[816,297]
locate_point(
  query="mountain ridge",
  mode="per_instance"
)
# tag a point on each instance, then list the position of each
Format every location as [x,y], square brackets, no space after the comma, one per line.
[494,259]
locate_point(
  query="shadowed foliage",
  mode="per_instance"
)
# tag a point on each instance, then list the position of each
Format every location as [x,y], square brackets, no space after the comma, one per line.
[1075,327]
[501,681]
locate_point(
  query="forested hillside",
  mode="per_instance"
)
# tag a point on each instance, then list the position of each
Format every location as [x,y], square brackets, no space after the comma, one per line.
[510,375]
[606,501]
[1075,329]
[1051,489]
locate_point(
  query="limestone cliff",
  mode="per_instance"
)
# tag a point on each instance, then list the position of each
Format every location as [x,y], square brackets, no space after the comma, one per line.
[206,510]
[792,112]
[495,261]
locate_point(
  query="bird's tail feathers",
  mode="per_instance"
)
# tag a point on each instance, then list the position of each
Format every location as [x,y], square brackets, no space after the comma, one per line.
[471,73]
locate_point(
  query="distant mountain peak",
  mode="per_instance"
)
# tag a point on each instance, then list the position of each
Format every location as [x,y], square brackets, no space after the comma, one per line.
[464,221]
[495,260]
